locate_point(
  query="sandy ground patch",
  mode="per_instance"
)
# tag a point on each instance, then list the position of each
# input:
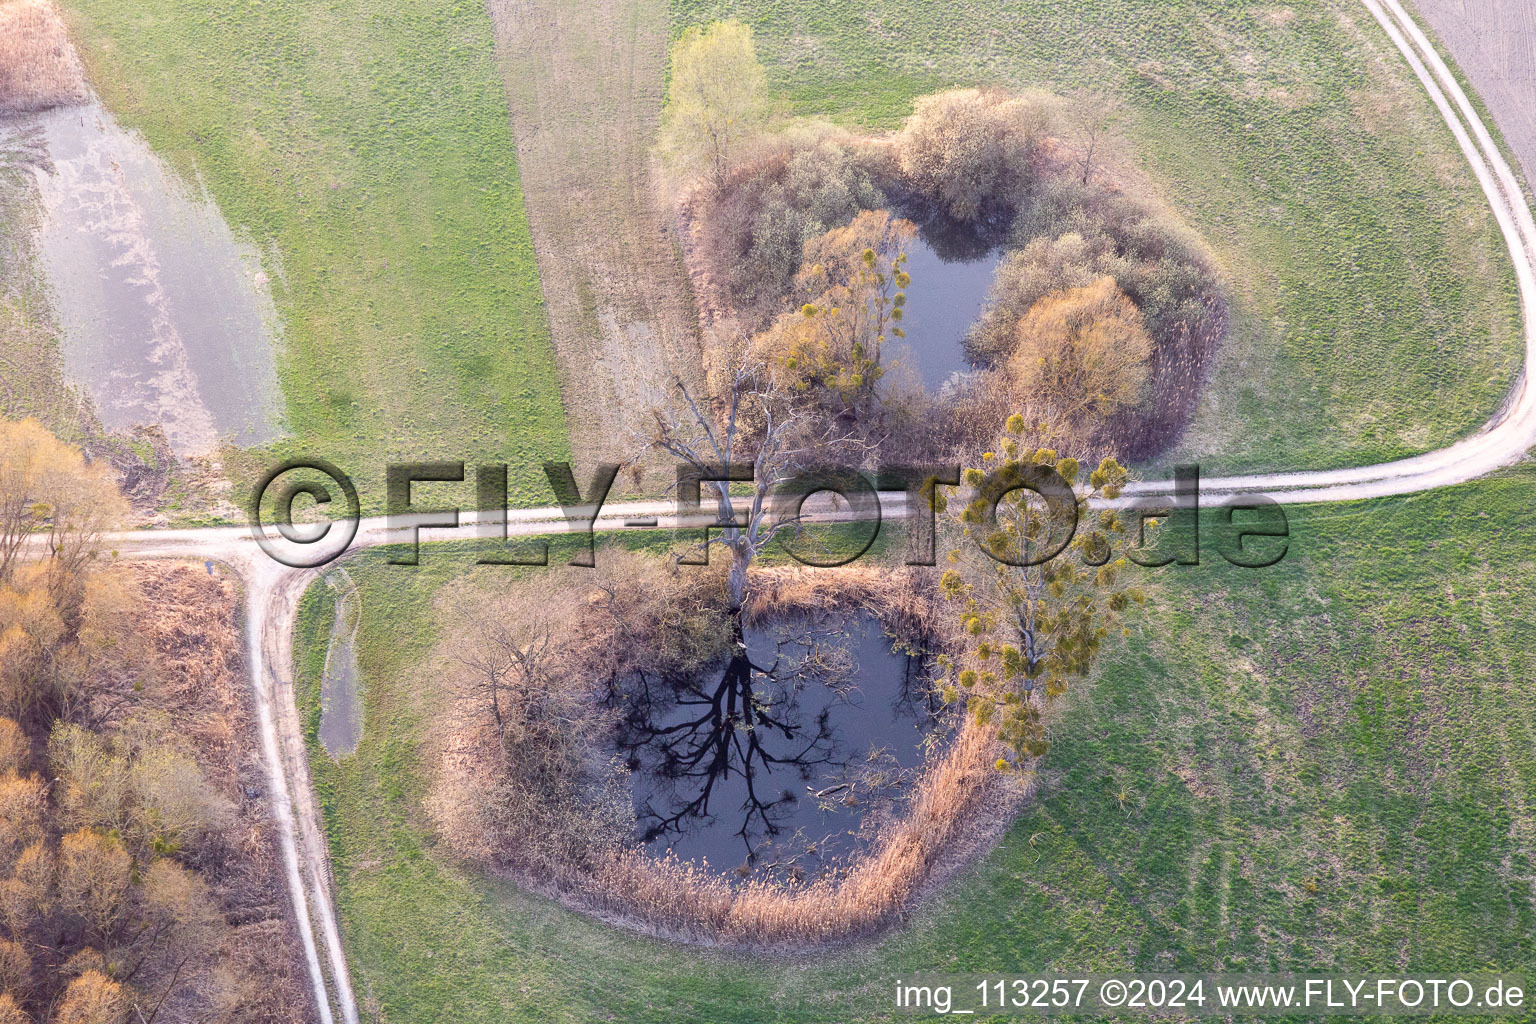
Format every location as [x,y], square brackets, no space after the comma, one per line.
[1494,42]
[585,85]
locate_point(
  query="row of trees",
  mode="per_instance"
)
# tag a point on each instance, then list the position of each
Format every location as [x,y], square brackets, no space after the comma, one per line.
[967,148]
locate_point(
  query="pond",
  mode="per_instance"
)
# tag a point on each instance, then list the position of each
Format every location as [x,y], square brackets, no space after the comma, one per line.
[949,287]
[783,763]
[167,316]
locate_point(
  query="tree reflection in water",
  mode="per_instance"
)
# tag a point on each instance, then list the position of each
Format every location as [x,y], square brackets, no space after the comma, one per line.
[773,764]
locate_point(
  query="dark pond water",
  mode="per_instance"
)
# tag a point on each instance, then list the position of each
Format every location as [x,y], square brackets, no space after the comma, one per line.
[949,287]
[775,765]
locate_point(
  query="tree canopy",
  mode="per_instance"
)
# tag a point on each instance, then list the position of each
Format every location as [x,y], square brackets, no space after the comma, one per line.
[853,285]
[48,490]
[1084,353]
[716,99]
[1035,608]
[970,147]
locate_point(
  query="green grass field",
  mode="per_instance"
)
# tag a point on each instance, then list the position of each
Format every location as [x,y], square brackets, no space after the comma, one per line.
[1374,305]
[1328,765]
[366,147]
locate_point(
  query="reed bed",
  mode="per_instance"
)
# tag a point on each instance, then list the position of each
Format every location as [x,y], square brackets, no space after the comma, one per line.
[38,66]
[957,805]
[960,800]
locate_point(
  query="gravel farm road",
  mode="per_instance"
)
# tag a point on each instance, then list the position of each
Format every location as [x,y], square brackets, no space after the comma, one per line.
[272,590]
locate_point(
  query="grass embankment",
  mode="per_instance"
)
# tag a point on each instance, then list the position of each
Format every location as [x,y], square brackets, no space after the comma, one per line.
[31,369]
[1325,765]
[366,147]
[1373,299]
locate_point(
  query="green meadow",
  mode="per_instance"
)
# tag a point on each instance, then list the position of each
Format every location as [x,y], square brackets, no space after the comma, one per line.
[365,147]
[1374,306]
[1327,765]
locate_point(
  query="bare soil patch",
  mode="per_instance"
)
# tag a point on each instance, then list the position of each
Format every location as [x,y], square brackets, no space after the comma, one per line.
[1494,42]
[585,86]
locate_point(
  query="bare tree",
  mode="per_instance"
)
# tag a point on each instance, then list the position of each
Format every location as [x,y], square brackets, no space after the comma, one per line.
[507,674]
[759,437]
[1090,115]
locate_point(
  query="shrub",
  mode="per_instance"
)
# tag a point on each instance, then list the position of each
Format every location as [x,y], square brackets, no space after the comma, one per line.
[1045,265]
[134,782]
[15,749]
[969,149]
[92,998]
[15,967]
[94,875]
[1083,353]
[1155,259]
[536,792]
[23,811]
[755,232]
[852,286]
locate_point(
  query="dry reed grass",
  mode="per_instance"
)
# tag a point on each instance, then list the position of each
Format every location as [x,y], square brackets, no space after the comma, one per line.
[960,800]
[956,808]
[38,66]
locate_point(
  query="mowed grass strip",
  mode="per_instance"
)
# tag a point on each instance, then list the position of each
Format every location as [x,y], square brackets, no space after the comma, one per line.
[1324,766]
[366,147]
[1374,310]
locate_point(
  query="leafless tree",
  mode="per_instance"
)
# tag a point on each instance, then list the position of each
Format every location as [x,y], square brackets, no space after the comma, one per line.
[1090,116]
[508,673]
[756,426]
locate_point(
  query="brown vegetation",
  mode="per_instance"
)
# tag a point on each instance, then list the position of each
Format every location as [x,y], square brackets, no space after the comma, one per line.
[749,238]
[632,622]
[38,66]
[851,284]
[584,82]
[955,807]
[142,878]
[1073,233]
[1082,353]
[523,711]
[147,855]
[983,164]
[971,149]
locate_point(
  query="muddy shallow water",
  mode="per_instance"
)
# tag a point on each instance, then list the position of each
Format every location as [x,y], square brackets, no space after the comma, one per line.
[341,711]
[784,769]
[166,314]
